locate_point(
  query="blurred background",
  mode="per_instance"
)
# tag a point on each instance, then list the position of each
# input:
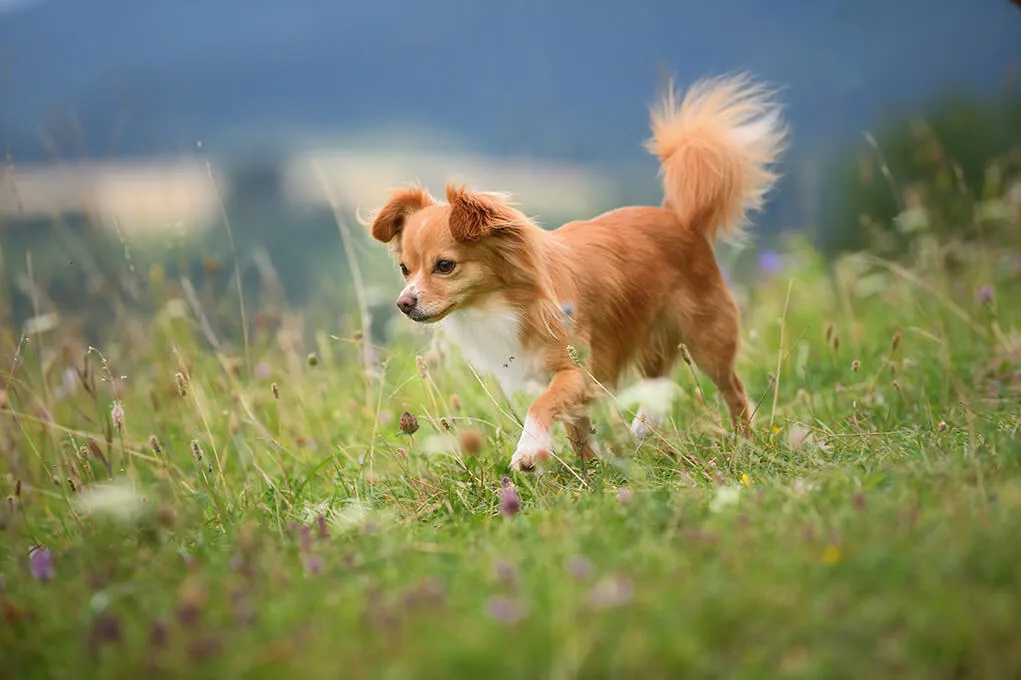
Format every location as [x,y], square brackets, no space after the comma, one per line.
[150,146]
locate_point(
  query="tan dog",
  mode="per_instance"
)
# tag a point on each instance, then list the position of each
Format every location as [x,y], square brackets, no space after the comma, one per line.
[637,282]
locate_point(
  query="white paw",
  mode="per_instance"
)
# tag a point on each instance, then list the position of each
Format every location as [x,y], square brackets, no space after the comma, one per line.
[645,423]
[534,448]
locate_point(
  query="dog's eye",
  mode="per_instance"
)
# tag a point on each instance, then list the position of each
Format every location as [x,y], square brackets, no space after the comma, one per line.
[444,266]
[404,271]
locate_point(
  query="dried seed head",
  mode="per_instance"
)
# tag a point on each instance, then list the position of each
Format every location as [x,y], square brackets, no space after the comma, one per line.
[182,385]
[830,328]
[895,343]
[17,488]
[835,343]
[855,366]
[445,424]
[685,354]
[943,427]
[196,449]
[313,360]
[117,416]
[420,363]
[471,441]
[409,423]
[154,444]
[71,485]
[275,389]
[357,336]
[896,385]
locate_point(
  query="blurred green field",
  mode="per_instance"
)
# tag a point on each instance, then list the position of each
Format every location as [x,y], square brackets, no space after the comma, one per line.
[175,511]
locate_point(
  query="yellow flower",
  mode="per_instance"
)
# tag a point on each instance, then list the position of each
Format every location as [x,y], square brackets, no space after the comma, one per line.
[831,555]
[744,480]
[776,429]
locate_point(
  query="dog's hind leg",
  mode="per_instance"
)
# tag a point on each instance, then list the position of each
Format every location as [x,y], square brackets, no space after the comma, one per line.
[713,348]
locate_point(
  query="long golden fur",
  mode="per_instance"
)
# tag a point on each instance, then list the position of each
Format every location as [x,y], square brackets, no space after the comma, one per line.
[637,281]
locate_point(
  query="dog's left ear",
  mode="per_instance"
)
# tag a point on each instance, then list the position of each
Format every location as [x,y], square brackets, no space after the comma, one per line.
[475,216]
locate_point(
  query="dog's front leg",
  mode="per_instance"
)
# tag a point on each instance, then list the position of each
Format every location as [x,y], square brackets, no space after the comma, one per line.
[564,398]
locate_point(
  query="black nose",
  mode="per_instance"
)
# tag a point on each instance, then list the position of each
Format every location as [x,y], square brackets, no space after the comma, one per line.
[406,302]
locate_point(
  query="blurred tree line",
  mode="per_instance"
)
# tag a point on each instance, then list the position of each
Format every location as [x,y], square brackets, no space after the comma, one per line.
[930,171]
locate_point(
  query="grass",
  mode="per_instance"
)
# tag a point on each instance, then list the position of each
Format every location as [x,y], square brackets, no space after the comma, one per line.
[170,513]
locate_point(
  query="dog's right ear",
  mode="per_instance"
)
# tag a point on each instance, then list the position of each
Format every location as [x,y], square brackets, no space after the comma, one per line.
[390,219]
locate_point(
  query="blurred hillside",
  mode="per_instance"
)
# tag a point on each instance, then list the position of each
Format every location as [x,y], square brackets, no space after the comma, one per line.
[567,81]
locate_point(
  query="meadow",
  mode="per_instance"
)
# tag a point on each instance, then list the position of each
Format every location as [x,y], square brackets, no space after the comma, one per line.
[273,509]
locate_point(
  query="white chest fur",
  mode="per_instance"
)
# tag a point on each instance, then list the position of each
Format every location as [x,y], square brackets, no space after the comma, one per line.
[489,341]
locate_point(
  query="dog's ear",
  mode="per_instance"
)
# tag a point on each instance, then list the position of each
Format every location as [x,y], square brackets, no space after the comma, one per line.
[390,219]
[475,216]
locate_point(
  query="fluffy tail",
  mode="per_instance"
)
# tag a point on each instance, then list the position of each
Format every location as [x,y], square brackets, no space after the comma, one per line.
[716,146]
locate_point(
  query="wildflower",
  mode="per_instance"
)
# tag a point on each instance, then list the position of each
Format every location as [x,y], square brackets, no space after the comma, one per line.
[505,572]
[986,295]
[158,633]
[313,564]
[116,499]
[624,496]
[323,533]
[204,648]
[41,564]
[408,423]
[831,554]
[725,497]
[579,567]
[745,480]
[505,609]
[770,262]
[106,629]
[613,591]
[510,503]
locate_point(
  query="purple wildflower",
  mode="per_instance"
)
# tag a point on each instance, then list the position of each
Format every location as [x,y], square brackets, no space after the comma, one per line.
[986,295]
[204,648]
[505,572]
[41,564]
[323,532]
[505,609]
[314,564]
[510,503]
[624,496]
[159,632]
[770,262]
[579,567]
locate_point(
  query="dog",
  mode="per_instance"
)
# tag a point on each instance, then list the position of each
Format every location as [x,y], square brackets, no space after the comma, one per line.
[630,287]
